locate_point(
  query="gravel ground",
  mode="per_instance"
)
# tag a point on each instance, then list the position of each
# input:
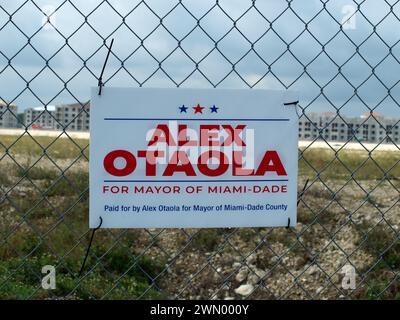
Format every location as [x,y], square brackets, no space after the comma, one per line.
[335,218]
[302,263]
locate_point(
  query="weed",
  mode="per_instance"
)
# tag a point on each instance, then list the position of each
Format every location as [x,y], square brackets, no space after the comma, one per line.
[61,148]
[38,173]
[349,163]
[381,242]
[70,184]
[206,239]
[379,286]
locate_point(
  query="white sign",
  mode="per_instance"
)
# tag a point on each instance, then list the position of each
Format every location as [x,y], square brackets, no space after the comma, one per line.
[192,158]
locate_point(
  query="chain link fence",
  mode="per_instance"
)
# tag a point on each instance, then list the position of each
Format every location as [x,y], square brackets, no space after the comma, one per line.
[342,56]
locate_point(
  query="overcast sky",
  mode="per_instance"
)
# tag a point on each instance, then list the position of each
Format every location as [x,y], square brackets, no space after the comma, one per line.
[78,55]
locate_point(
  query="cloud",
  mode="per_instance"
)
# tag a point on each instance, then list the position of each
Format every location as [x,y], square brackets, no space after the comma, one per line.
[234,45]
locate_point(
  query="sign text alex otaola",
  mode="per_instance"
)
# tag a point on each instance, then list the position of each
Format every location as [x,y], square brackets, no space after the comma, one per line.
[192,158]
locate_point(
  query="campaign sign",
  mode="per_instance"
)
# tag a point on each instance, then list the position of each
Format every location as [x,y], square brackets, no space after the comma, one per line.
[192,158]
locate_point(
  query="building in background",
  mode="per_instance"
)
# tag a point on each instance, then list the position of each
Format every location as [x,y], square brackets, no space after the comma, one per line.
[40,117]
[331,127]
[8,115]
[75,117]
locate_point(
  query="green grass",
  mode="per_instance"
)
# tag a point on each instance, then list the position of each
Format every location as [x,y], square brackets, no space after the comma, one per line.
[248,234]
[350,163]
[62,201]
[38,173]
[206,239]
[22,280]
[24,255]
[4,178]
[61,148]
[381,243]
[382,285]
[71,183]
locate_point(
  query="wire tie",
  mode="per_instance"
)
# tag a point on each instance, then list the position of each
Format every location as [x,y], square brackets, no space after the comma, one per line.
[89,246]
[100,83]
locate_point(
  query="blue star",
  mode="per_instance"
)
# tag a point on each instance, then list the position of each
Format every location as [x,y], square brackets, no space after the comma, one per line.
[214,109]
[183,108]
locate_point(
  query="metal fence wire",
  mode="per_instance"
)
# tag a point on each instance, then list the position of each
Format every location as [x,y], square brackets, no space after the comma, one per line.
[346,243]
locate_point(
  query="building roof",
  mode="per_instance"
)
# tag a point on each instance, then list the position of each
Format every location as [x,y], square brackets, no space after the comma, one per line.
[373,114]
[4,103]
[328,113]
[76,105]
[42,108]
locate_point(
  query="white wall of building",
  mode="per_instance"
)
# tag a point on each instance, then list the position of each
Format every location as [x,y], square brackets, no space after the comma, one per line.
[313,126]
[8,115]
[332,127]
[40,117]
